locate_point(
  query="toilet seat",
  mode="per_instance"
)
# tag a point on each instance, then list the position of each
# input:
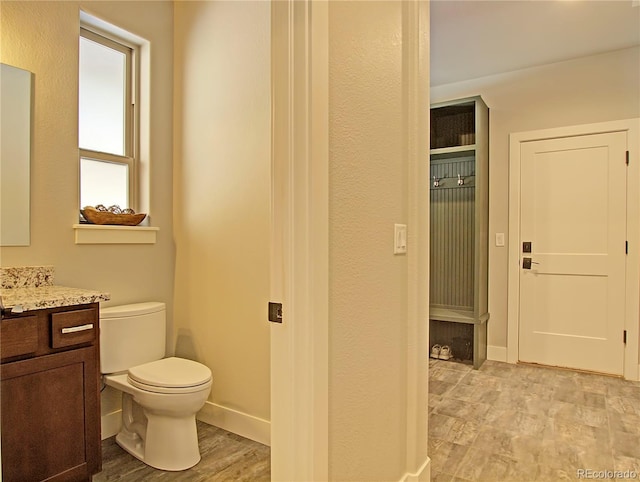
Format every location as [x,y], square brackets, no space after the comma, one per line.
[170,375]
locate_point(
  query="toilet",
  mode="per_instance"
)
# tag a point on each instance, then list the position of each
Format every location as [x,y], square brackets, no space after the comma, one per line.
[160,396]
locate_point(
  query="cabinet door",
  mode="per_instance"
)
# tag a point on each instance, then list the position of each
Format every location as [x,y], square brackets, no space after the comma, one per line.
[44,401]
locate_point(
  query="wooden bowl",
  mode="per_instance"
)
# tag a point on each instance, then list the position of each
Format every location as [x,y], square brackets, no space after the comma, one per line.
[94,216]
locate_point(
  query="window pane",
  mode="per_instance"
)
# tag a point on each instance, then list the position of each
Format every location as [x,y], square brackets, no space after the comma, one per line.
[104,183]
[102,98]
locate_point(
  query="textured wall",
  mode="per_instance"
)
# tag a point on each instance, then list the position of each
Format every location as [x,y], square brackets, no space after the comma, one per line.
[579,91]
[368,284]
[42,37]
[222,196]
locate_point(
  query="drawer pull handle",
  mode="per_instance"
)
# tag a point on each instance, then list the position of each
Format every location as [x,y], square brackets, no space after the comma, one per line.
[73,329]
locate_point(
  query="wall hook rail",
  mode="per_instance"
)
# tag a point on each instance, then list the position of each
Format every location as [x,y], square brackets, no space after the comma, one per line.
[447,182]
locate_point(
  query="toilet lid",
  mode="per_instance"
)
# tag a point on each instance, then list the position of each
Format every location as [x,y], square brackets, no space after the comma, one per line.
[170,373]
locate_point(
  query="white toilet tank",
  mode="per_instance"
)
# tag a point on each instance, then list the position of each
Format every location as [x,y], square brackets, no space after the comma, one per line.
[131,335]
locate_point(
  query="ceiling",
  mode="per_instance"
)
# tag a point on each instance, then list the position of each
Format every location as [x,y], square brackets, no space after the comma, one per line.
[476,38]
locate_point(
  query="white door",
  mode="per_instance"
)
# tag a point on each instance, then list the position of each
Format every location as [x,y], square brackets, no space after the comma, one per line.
[573,212]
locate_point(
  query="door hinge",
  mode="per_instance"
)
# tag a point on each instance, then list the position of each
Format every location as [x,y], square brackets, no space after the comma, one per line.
[624,337]
[627,160]
[626,247]
[275,312]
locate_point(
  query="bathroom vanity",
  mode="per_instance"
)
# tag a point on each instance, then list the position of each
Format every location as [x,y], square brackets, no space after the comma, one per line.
[50,382]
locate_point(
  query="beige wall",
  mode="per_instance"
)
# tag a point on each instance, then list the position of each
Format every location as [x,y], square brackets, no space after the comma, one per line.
[217,133]
[223,233]
[586,90]
[222,196]
[368,289]
[42,37]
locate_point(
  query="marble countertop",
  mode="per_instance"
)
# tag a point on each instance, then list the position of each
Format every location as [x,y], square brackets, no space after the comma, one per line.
[51,296]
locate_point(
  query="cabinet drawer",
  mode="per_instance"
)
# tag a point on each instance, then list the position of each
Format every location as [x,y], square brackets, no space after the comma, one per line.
[70,328]
[19,336]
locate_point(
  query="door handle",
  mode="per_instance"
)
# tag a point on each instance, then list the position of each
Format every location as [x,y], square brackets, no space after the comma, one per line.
[527,262]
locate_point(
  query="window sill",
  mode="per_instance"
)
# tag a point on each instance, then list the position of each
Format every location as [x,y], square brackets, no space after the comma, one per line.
[108,234]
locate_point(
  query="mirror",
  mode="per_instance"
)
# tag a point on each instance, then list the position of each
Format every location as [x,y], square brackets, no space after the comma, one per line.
[15,155]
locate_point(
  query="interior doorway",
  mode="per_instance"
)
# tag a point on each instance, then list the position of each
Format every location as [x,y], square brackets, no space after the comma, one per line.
[570,268]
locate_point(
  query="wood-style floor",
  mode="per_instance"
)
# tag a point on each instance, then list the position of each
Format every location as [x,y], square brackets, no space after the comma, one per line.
[225,457]
[508,422]
[496,424]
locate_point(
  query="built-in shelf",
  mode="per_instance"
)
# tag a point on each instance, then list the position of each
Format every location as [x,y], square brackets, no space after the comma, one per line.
[457,316]
[459,218]
[470,148]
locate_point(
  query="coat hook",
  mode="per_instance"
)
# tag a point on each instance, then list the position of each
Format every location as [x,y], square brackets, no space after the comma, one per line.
[436,182]
[460,180]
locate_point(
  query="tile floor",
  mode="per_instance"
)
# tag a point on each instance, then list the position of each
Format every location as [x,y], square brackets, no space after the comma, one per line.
[225,457]
[499,423]
[526,423]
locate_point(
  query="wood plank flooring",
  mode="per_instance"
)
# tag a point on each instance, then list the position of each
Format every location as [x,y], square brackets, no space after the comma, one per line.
[529,423]
[225,457]
[499,423]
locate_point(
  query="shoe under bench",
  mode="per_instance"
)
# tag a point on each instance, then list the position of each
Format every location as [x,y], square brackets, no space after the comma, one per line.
[462,331]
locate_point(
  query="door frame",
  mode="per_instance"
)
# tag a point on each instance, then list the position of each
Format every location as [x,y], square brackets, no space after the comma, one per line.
[632,280]
[300,240]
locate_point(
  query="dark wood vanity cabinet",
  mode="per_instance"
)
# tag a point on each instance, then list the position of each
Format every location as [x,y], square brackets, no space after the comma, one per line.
[50,394]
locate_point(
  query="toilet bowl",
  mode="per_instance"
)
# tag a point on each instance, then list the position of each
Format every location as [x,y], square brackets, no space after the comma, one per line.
[160,397]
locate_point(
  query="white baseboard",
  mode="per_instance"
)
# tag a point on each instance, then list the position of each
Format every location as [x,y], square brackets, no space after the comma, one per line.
[248,426]
[240,423]
[110,424]
[422,475]
[497,353]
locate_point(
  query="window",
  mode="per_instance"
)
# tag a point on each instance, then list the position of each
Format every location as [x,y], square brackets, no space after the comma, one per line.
[106,131]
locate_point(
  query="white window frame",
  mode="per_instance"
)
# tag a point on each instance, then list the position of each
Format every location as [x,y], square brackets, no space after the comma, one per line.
[131,122]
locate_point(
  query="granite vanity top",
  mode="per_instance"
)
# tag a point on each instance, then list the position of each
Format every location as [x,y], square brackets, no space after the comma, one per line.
[31,288]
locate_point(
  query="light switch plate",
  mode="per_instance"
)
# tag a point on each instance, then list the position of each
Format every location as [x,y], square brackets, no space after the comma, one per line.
[400,239]
[499,239]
